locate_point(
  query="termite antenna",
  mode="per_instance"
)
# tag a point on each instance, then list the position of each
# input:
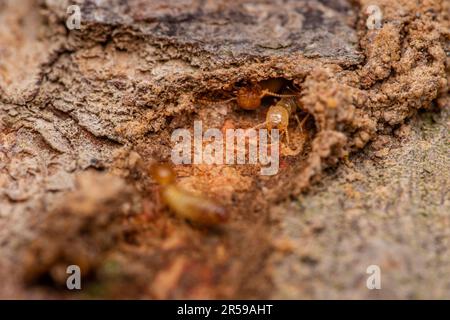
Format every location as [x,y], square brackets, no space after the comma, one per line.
[216,102]
[268,93]
[258,126]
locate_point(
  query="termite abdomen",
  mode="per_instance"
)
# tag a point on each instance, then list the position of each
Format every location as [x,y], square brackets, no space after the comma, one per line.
[192,207]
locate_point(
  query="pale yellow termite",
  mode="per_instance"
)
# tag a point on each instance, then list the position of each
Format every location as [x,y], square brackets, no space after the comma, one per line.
[185,205]
[278,115]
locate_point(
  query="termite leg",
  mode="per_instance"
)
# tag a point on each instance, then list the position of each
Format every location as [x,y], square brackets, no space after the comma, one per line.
[297,119]
[287,138]
[296,87]
[303,122]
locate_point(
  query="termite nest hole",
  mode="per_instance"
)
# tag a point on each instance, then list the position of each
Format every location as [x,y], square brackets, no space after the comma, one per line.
[249,94]
[190,192]
[278,98]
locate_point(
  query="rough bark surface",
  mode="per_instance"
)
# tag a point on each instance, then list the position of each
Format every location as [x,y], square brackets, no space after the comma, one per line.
[83,112]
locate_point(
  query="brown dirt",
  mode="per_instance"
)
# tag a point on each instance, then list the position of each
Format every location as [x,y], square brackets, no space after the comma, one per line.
[105,99]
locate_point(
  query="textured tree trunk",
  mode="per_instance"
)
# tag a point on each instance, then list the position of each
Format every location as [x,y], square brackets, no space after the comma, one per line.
[83,113]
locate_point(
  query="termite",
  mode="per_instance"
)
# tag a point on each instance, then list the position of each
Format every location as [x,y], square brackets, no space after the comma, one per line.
[185,205]
[278,116]
[250,97]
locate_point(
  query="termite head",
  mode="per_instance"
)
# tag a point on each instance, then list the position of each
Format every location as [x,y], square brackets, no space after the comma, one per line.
[277,117]
[162,173]
[373,9]
[249,98]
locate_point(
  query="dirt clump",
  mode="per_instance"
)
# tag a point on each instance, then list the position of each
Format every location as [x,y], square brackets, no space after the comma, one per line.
[84,226]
